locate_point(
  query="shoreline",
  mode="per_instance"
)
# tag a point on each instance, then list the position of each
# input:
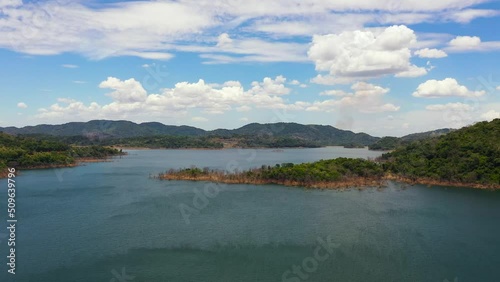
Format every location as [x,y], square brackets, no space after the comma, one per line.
[228,148]
[348,183]
[358,182]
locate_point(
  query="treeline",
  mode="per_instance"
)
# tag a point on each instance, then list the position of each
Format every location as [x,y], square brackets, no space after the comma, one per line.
[185,142]
[248,141]
[31,152]
[340,172]
[467,155]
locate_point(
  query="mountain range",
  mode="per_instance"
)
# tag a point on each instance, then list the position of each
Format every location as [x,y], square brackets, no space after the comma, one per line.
[320,134]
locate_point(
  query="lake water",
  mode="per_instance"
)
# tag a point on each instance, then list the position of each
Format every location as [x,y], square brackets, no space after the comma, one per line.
[111,222]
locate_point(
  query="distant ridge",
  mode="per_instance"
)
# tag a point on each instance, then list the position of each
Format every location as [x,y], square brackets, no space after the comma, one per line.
[391,143]
[323,134]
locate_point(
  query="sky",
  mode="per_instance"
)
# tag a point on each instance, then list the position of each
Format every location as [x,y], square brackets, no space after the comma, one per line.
[384,67]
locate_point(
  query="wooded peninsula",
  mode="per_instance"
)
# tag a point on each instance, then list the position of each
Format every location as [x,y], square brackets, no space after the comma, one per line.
[31,153]
[468,157]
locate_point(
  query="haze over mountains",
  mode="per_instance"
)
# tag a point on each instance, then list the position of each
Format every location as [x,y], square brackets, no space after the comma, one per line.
[125,129]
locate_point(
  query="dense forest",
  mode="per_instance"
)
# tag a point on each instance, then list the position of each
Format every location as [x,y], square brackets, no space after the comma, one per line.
[390,143]
[30,152]
[467,155]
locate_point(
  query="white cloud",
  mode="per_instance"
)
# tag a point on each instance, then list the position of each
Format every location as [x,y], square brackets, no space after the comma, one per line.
[69,66]
[490,115]
[471,43]
[450,107]
[413,71]
[467,15]
[334,93]
[244,109]
[224,40]
[130,99]
[127,91]
[367,98]
[270,86]
[359,54]
[498,88]
[430,53]
[295,82]
[55,27]
[199,119]
[22,105]
[465,41]
[447,87]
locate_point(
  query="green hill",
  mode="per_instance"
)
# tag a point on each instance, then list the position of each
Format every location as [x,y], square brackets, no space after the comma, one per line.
[251,135]
[391,143]
[468,155]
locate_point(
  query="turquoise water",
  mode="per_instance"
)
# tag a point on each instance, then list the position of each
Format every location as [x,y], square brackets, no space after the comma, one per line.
[111,222]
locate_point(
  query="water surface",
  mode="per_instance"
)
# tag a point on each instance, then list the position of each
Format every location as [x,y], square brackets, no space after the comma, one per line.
[102,220]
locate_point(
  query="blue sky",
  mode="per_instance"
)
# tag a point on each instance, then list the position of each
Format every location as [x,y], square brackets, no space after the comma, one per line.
[383,67]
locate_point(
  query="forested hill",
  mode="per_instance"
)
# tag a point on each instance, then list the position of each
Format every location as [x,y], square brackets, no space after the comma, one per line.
[107,128]
[254,134]
[467,155]
[391,143]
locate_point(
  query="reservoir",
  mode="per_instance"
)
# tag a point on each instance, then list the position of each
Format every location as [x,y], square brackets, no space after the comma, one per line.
[111,221]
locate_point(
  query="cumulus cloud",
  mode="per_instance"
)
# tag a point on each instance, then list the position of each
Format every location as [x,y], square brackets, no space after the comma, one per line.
[430,53]
[363,54]
[271,86]
[465,41]
[130,99]
[471,43]
[22,105]
[367,98]
[447,87]
[490,115]
[127,91]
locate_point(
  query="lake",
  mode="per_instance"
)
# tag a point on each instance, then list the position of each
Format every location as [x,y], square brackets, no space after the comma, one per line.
[110,221]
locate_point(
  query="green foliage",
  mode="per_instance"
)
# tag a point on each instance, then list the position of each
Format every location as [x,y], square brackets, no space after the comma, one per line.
[391,143]
[386,143]
[468,155]
[30,152]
